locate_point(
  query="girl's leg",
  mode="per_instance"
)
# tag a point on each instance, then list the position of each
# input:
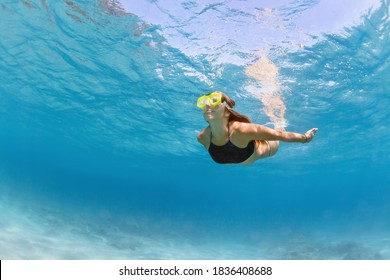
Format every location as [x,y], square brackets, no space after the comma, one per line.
[273,147]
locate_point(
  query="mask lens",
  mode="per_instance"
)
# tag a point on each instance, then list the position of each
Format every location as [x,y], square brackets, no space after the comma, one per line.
[215,99]
[202,101]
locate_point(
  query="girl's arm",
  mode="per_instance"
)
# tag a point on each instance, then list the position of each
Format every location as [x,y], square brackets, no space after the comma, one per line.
[203,139]
[252,131]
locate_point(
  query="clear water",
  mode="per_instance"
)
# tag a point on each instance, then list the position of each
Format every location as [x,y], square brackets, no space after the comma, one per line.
[98,150]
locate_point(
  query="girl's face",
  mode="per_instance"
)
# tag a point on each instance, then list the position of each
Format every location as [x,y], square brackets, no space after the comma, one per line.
[214,113]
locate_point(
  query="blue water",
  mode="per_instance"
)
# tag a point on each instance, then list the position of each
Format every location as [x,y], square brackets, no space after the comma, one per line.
[98,126]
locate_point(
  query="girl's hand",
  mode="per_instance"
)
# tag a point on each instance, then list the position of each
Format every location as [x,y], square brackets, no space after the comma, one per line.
[310,134]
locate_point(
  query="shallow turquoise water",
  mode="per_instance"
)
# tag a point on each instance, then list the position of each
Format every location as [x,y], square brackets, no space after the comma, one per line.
[98,150]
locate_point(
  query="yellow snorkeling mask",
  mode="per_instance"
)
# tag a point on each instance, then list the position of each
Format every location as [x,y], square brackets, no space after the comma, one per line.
[213,99]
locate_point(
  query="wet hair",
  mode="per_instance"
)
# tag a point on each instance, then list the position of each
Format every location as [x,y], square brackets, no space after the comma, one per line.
[233,116]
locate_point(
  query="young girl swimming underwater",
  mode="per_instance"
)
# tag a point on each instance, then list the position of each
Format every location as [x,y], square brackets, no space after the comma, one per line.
[232,138]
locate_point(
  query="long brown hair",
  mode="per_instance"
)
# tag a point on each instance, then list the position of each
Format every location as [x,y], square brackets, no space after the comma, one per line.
[233,116]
